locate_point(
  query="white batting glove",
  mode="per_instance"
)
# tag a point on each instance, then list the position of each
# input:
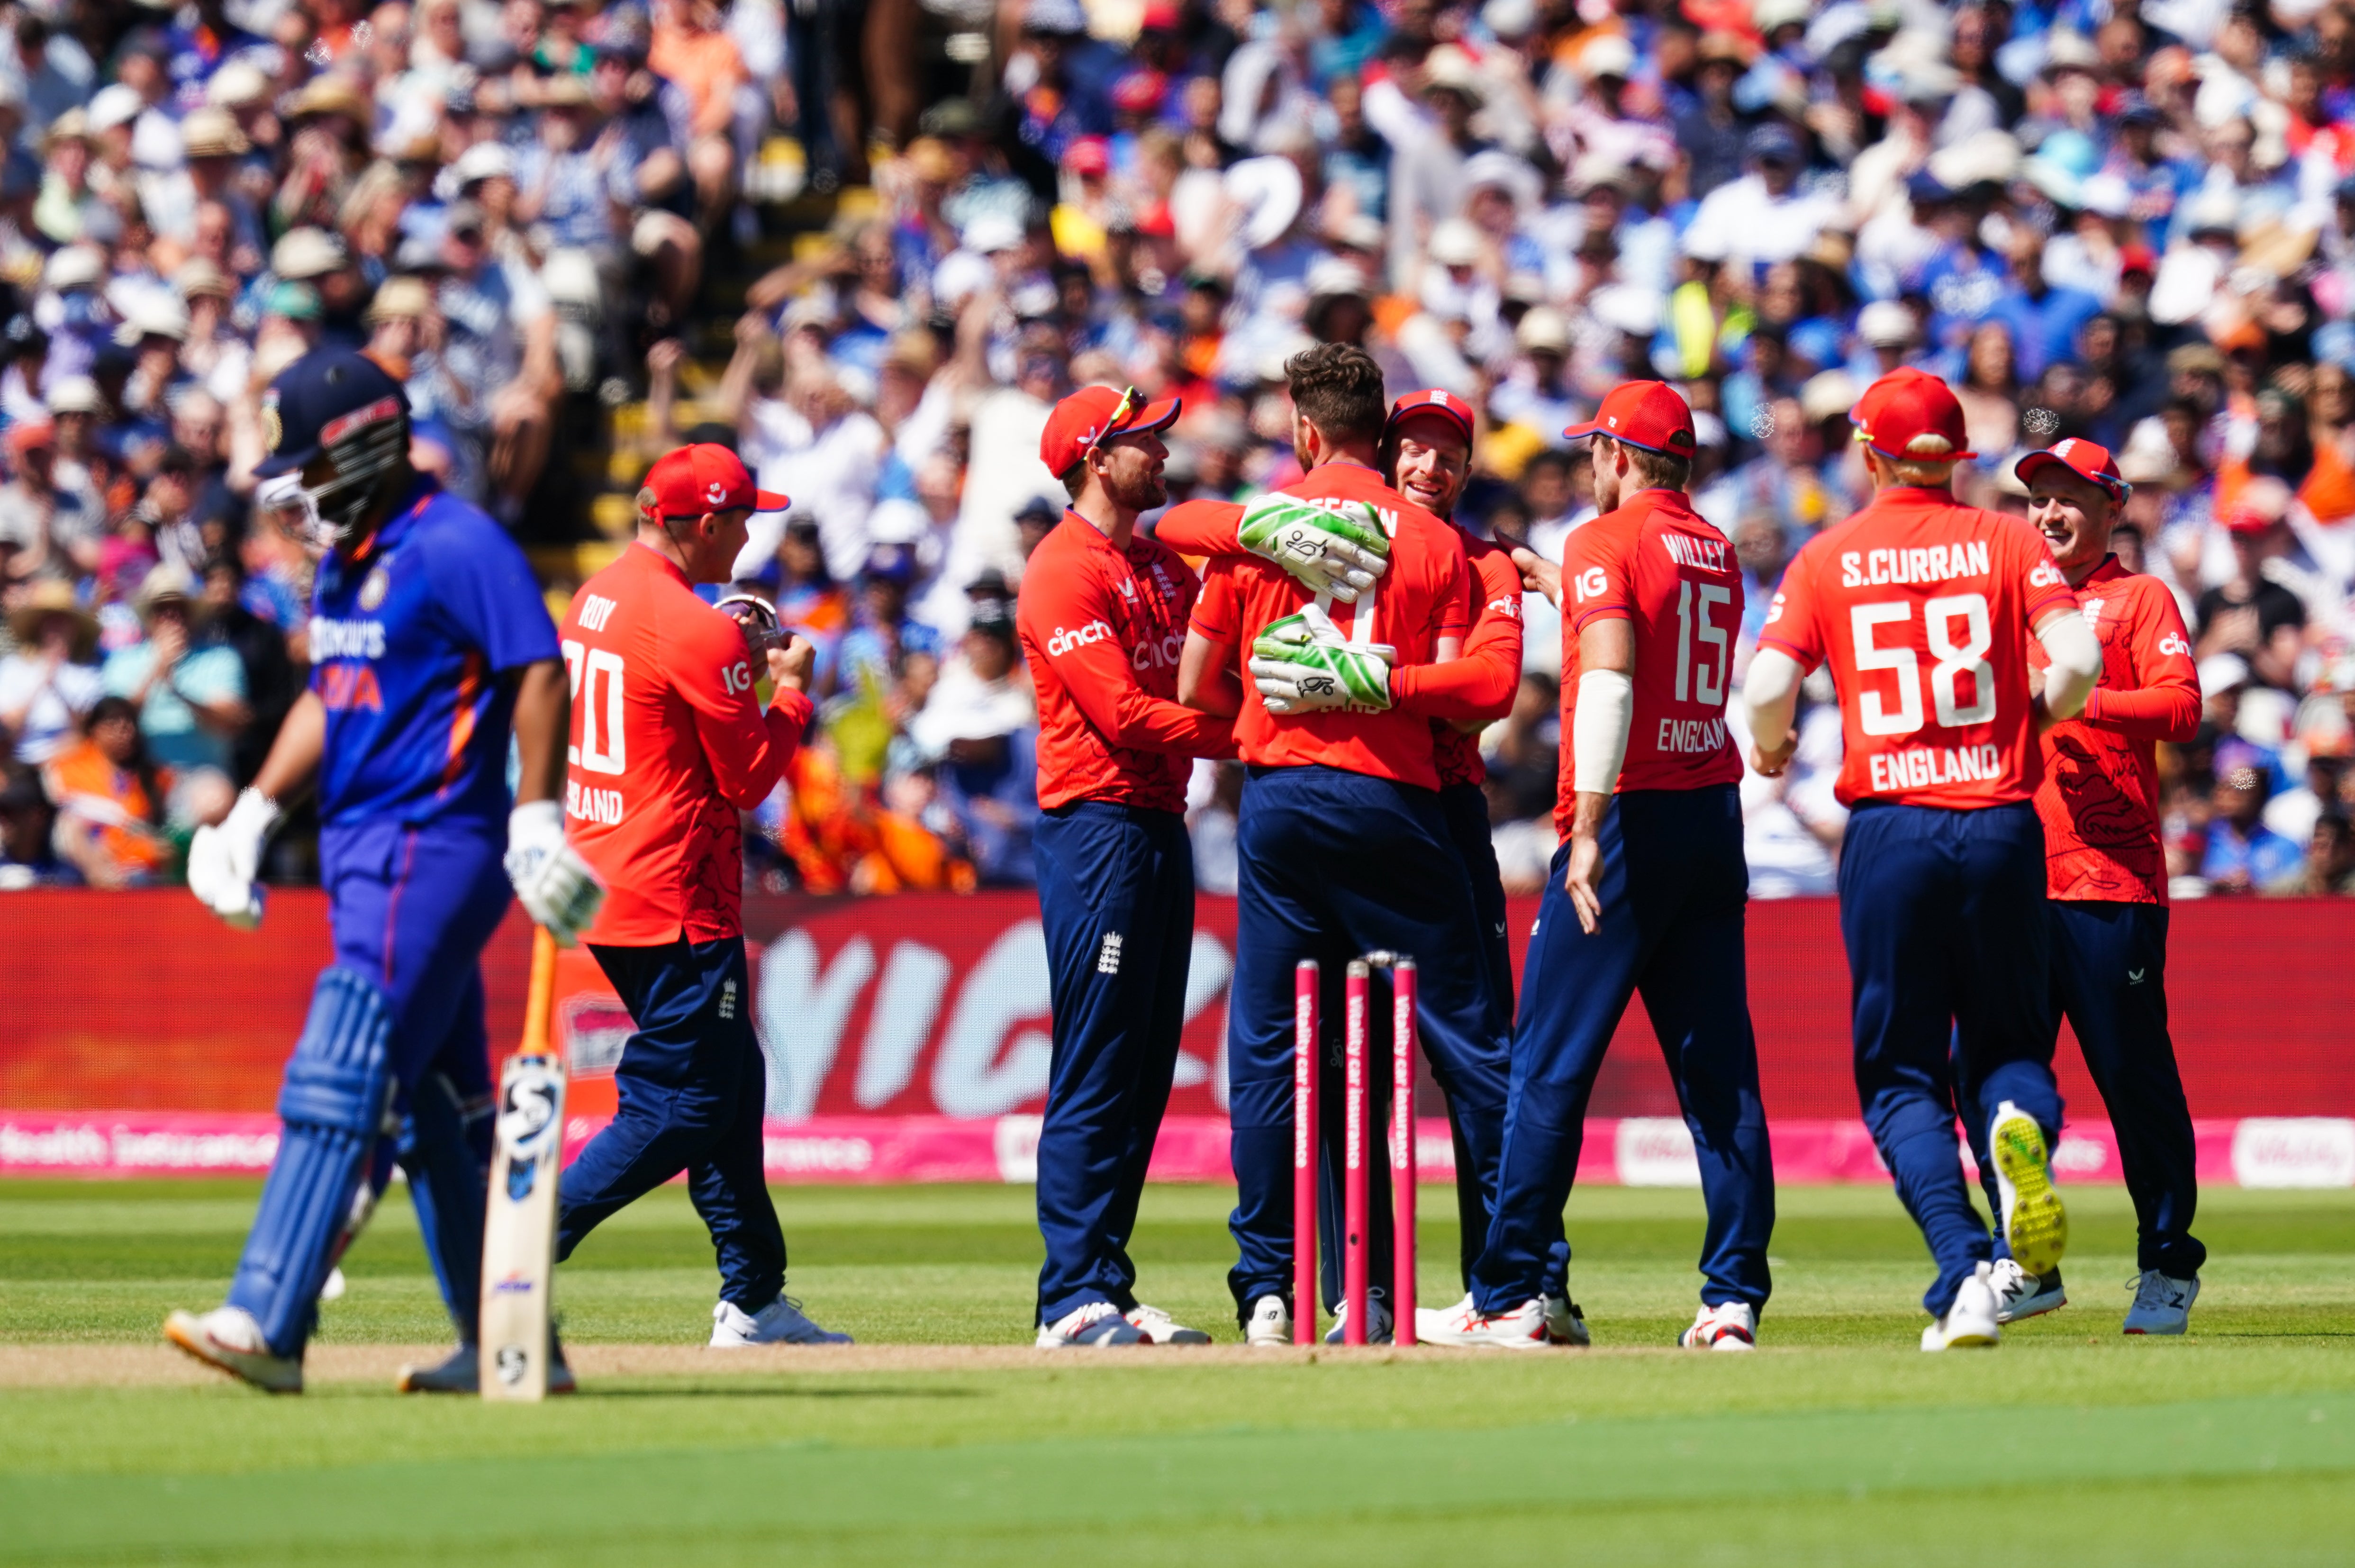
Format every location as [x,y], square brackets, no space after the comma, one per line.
[223,861]
[1335,551]
[554,884]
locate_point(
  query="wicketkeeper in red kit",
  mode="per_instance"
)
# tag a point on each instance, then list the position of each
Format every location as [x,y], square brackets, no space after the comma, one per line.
[670,743]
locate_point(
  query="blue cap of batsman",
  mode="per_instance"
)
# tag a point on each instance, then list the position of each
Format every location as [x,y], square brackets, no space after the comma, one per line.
[323,398]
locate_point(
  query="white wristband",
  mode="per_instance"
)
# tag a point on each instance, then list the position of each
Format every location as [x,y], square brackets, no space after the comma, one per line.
[1607,707]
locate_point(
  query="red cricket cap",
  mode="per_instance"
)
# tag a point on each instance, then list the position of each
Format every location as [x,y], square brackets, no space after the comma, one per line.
[706,477]
[1902,407]
[2241,517]
[1093,415]
[1430,400]
[1649,414]
[1089,156]
[2082,458]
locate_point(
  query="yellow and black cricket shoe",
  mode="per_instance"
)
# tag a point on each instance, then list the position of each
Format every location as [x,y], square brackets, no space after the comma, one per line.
[2035,1225]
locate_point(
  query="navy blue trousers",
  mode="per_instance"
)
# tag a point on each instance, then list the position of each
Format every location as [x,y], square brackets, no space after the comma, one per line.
[1333,864]
[692,1086]
[411,907]
[1674,886]
[1949,956]
[2109,979]
[1116,900]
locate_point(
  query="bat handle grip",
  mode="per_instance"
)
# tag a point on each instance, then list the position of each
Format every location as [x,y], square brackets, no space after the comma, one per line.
[541,999]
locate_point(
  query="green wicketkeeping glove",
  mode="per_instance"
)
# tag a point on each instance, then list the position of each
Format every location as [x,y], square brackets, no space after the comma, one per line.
[1302,664]
[1331,551]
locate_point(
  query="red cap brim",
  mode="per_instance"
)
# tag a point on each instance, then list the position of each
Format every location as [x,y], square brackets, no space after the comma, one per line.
[1580,432]
[1920,456]
[771,501]
[1453,416]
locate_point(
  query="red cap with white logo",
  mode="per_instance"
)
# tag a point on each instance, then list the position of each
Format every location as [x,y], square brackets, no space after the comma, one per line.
[706,477]
[2082,458]
[1093,415]
[1649,414]
[1430,400]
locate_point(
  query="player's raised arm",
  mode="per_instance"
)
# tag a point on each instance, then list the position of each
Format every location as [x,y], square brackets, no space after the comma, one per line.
[1339,552]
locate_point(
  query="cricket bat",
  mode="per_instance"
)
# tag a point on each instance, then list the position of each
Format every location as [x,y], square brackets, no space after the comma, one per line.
[519,1233]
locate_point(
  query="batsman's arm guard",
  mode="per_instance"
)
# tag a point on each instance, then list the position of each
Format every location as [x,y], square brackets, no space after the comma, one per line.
[332,1103]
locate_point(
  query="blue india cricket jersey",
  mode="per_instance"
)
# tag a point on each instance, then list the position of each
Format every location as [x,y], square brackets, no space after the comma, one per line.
[409,640]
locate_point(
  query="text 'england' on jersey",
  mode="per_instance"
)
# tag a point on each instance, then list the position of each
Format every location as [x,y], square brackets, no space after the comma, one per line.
[410,641]
[1655,564]
[1923,609]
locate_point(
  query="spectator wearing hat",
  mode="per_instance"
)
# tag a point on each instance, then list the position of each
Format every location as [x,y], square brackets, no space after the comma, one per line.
[883,646]
[47,684]
[499,344]
[190,695]
[1427,171]
[1710,132]
[2249,614]
[1763,216]
[194,49]
[2243,854]
[2317,473]
[66,199]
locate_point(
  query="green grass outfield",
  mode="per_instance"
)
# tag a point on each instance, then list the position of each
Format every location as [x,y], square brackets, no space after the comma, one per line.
[1840,1442]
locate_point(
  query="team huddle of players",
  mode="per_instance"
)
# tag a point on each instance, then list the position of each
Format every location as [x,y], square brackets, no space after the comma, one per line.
[2001,684]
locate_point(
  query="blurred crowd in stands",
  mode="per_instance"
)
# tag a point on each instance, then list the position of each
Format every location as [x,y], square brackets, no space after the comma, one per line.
[870,242]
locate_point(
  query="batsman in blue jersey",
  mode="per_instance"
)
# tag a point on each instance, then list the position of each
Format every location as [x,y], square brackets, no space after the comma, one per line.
[429,641]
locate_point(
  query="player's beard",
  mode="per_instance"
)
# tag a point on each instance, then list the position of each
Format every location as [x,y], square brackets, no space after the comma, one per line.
[1142,492]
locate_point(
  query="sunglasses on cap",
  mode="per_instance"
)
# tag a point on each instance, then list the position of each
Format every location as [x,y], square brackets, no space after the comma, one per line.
[1130,402]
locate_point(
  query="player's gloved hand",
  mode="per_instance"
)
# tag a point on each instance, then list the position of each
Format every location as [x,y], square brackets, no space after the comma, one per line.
[1331,551]
[554,884]
[1302,664]
[223,861]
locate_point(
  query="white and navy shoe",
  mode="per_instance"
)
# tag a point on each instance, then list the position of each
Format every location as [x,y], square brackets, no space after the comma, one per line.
[779,1323]
[461,1372]
[1098,1326]
[1564,1323]
[1521,1328]
[1159,1328]
[1270,1324]
[2162,1303]
[2035,1225]
[2020,1294]
[1377,1321]
[1728,1326]
[1970,1322]
[229,1338]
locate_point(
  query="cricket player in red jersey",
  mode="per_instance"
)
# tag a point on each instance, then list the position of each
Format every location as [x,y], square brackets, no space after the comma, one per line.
[670,744]
[2105,881]
[1343,848]
[1102,617]
[1922,608]
[1425,456]
[1647,890]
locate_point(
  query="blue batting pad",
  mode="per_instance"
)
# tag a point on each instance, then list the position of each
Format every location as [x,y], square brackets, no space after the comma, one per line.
[445,1148]
[332,1103]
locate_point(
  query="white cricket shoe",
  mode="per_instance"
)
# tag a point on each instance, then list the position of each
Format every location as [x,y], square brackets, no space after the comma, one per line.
[1098,1326]
[1377,1321]
[1270,1324]
[229,1338]
[1728,1326]
[1565,1324]
[2020,1294]
[2162,1303]
[333,1290]
[779,1323]
[2035,1225]
[1521,1328]
[1970,1322]
[461,1372]
[1159,1328]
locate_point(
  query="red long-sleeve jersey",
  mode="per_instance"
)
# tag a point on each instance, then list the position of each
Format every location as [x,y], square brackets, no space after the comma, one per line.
[1476,686]
[1421,600]
[1655,562]
[1102,629]
[2099,799]
[668,745]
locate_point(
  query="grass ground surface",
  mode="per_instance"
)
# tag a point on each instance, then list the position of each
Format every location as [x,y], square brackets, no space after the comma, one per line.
[1840,1442]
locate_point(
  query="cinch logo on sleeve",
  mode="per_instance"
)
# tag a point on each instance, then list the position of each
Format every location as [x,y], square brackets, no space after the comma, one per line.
[1928,564]
[2174,643]
[2046,575]
[1510,609]
[1064,641]
[346,639]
